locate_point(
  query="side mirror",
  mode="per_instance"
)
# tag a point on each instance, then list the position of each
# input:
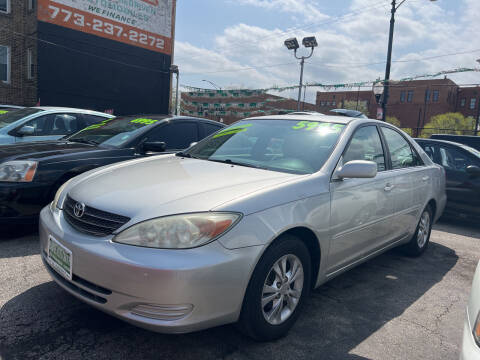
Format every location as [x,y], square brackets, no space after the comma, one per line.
[473,170]
[26,130]
[154,146]
[357,169]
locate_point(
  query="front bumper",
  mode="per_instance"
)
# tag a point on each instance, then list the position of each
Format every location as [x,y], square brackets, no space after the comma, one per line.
[170,291]
[470,349]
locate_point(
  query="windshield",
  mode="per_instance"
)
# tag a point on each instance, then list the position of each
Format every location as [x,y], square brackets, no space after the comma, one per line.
[113,132]
[299,147]
[13,115]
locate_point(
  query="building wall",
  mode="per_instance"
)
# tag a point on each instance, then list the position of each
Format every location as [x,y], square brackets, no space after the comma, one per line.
[229,106]
[468,99]
[18,31]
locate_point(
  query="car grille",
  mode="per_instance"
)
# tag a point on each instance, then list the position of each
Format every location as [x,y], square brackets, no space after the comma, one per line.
[93,222]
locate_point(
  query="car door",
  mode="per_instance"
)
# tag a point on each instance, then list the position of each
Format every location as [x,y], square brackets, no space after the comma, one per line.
[463,189]
[41,125]
[361,209]
[412,182]
[177,135]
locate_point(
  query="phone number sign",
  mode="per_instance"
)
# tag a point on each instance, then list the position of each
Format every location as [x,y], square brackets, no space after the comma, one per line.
[145,23]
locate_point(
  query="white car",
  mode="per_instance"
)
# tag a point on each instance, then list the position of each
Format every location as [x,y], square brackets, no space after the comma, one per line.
[471,328]
[45,123]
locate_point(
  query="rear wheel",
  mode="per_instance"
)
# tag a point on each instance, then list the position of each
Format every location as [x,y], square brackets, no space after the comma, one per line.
[277,290]
[419,242]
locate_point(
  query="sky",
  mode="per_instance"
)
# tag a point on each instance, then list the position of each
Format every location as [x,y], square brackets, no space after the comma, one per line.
[239,43]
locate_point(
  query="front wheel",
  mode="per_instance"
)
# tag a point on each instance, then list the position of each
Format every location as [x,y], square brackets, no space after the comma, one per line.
[277,290]
[419,242]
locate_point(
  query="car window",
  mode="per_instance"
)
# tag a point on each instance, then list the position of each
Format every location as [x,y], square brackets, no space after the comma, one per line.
[14,115]
[366,145]
[65,124]
[210,128]
[42,125]
[452,159]
[292,146]
[92,119]
[430,150]
[401,153]
[176,135]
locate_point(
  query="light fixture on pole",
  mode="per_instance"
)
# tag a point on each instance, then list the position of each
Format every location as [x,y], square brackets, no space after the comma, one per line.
[386,92]
[292,44]
[174,70]
[213,84]
[378,88]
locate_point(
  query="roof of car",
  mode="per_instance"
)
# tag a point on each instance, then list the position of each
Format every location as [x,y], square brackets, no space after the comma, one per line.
[314,117]
[439,141]
[60,108]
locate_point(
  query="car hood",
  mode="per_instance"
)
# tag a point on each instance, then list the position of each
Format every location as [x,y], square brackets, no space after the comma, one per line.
[163,185]
[44,150]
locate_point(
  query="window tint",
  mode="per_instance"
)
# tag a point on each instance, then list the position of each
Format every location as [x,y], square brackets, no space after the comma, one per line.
[92,119]
[452,159]
[430,150]
[366,145]
[65,124]
[176,135]
[210,128]
[401,153]
[41,124]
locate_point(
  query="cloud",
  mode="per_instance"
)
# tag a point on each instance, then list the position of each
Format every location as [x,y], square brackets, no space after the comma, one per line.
[306,8]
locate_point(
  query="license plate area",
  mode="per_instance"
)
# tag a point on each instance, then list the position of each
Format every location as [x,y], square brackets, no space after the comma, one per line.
[59,258]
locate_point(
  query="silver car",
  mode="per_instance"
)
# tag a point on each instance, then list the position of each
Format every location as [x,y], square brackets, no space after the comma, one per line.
[241,226]
[471,326]
[45,123]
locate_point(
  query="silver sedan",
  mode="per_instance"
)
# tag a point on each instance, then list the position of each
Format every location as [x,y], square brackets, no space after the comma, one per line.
[241,226]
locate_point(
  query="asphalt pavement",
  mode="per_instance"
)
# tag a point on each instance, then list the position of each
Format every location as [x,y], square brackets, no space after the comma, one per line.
[392,307]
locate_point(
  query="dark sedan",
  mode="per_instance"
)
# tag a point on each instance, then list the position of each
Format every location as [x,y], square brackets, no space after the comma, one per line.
[30,174]
[462,168]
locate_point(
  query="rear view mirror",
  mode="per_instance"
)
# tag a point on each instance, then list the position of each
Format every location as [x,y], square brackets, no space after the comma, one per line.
[358,169]
[154,146]
[26,130]
[473,170]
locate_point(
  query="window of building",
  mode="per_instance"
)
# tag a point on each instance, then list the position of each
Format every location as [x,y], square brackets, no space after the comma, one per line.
[334,103]
[322,103]
[473,103]
[402,96]
[31,5]
[436,95]
[30,65]
[463,102]
[328,103]
[4,63]
[410,96]
[253,104]
[427,95]
[5,6]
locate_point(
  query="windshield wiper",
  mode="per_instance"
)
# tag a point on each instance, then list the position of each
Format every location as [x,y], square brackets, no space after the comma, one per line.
[230,162]
[84,141]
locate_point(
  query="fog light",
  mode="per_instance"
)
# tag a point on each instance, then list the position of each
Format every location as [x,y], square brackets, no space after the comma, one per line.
[162,312]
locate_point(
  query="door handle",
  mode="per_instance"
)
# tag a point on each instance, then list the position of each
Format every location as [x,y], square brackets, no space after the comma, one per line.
[388,187]
[425,178]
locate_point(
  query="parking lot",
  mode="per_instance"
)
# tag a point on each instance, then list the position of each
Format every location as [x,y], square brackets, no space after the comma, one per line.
[392,307]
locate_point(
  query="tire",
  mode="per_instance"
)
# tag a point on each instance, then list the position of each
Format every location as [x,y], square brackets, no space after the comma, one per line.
[288,296]
[420,240]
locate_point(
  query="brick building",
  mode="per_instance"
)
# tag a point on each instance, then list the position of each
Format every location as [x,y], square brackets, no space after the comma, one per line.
[229,106]
[411,102]
[18,52]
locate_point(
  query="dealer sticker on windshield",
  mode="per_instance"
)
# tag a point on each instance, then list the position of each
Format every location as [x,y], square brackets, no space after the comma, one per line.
[59,258]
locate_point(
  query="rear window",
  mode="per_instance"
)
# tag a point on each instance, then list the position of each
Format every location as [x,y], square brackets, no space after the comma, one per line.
[15,115]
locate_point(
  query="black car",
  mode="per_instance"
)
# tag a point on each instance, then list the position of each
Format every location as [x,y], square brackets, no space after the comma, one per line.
[462,168]
[31,173]
[472,141]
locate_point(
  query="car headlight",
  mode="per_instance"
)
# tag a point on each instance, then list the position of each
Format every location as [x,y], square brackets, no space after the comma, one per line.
[178,231]
[18,171]
[476,330]
[54,204]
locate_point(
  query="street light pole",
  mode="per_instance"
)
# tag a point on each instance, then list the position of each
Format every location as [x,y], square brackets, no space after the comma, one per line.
[174,70]
[478,113]
[213,84]
[292,44]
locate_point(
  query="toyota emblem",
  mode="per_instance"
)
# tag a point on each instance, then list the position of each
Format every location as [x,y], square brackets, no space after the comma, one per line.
[79,209]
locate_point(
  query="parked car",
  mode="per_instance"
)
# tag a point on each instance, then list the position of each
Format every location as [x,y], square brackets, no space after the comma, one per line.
[471,327]
[45,123]
[472,141]
[31,173]
[462,168]
[6,108]
[235,229]
[349,113]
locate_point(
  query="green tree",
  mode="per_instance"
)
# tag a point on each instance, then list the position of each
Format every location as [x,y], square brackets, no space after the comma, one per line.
[395,122]
[352,105]
[449,123]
